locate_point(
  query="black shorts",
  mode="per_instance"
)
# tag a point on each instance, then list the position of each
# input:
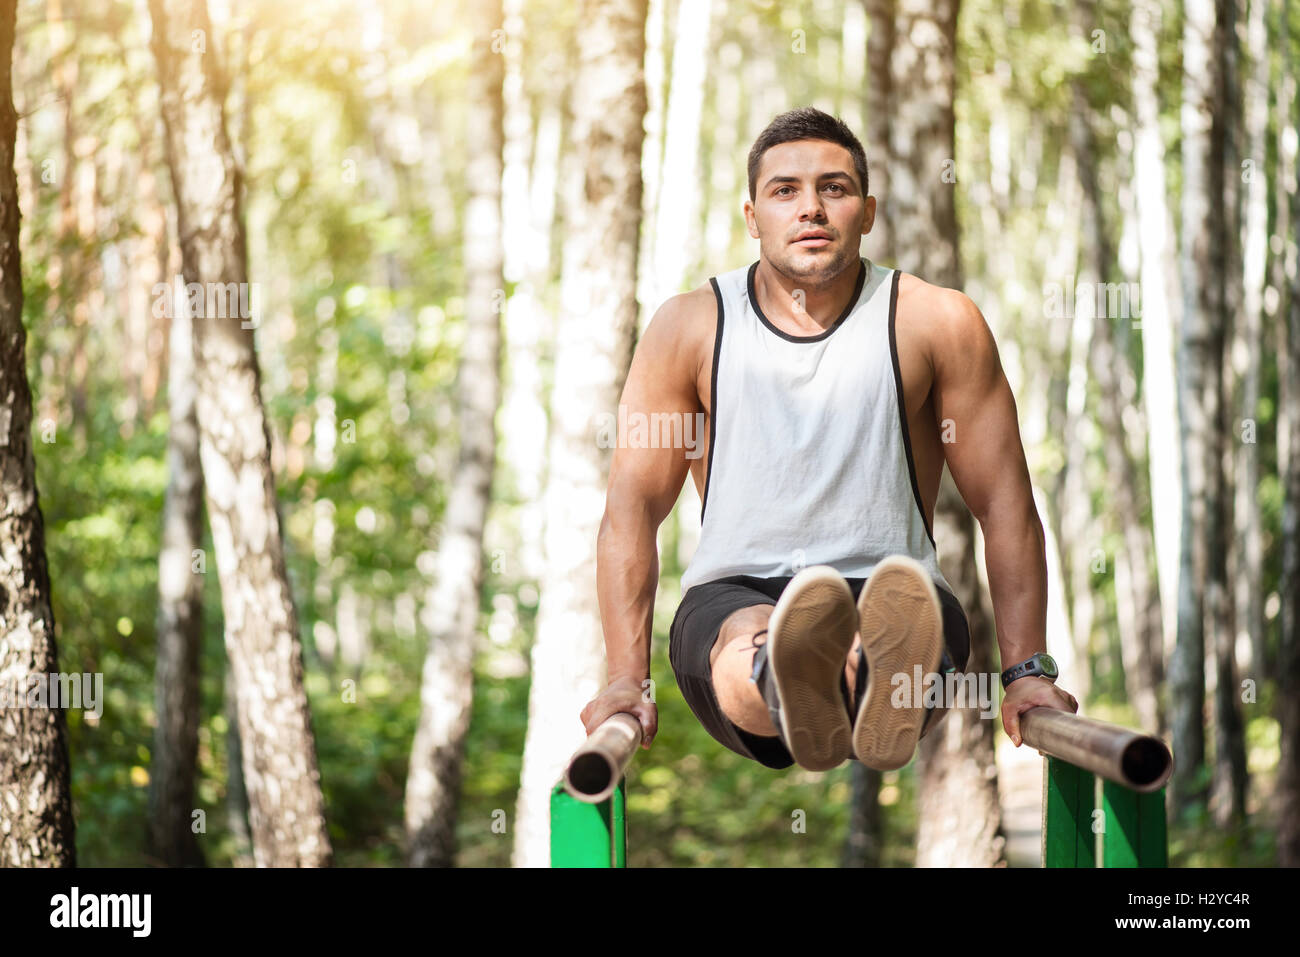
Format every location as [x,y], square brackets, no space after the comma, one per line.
[695,629]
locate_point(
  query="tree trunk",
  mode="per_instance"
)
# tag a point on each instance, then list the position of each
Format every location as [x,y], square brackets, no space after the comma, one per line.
[36,826]
[1074,500]
[922,177]
[677,219]
[864,845]
[959,819]
[880,48]
[447,687]
[1248,572]
[286,807]
[236,794]
[959,812]
[724,184]
[1160,308]
[528,195]
[1230,777]
[595,342]
[1203,254]
[180,618]
[1282,240]
[1116,388]
[1288,777]
[1052,368]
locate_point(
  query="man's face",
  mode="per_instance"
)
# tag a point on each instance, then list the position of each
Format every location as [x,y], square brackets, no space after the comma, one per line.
[809,186]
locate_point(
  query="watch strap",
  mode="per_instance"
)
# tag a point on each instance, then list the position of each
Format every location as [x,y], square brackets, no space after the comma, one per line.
[1030,666]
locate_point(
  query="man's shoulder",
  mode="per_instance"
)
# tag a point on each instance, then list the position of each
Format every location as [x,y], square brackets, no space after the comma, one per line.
[686,318]
[932,310]
[941,320]
[681,330]
[930,301]
[691,308]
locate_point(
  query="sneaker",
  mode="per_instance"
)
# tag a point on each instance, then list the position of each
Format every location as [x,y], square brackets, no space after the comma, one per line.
[901,623]
[799,670]
[933,716]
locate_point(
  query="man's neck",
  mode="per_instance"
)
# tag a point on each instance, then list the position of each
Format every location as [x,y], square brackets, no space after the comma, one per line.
[798,307]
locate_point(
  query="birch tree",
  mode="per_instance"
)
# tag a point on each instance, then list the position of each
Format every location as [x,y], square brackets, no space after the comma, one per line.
[594,348]
[180,616]
[1161,306]
[447,684]
[1288,778]
[281,775]
[1203,256]
[36,826]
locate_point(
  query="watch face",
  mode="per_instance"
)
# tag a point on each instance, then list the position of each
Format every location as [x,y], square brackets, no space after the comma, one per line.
[1048,664]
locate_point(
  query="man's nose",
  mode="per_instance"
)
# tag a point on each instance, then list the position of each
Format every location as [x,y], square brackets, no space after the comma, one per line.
[813,209]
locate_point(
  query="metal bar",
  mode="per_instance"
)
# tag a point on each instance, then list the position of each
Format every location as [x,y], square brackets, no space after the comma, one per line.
[1135,760]
[588,806]
[596,768]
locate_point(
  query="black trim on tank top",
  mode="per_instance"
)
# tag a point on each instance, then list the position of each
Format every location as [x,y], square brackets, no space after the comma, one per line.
[713,400]
[902,405]
[853,301]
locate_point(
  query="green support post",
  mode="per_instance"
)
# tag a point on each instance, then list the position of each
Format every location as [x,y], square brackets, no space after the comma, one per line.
[1068,800]
[1135,827]
[588,835]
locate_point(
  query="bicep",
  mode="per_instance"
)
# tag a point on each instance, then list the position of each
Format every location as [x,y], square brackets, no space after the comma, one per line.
[976,414]
[657,421]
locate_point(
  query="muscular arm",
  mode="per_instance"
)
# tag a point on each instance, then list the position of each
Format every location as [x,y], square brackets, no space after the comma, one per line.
[976,415]
[643,486]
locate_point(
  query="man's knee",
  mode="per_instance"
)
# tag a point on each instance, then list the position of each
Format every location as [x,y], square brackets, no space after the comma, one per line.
[743,622]
[738,697]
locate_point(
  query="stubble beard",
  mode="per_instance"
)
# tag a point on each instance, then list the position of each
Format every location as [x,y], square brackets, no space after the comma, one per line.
[812,272]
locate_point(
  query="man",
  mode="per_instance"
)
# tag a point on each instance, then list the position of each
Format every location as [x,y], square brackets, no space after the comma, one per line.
[834,389]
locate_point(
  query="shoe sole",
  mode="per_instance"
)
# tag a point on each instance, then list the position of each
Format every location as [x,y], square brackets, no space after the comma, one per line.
[810,633]
[901,623]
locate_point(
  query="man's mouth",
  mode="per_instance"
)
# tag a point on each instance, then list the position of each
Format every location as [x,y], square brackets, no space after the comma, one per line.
[813,240]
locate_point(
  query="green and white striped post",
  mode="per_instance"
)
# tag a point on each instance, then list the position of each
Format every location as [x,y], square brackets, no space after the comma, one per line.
[1103,791]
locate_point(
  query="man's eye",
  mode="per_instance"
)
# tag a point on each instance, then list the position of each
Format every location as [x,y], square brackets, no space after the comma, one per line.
[781,190]
[836,186]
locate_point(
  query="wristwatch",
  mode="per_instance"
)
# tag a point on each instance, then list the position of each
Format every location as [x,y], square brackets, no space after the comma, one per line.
[1041,664]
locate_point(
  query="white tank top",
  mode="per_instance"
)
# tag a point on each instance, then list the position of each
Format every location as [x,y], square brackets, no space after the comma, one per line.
[810,462]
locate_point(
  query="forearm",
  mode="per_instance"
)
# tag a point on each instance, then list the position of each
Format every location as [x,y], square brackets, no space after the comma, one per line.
[1016,559]
[627,577]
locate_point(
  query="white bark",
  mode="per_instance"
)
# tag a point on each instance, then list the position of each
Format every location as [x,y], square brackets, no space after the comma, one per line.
[1246,353]
[452,605]
[594,348]
[1160,310]
[677,221]
[286,807]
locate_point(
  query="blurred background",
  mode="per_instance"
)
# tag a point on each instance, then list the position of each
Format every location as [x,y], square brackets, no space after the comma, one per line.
[415,181]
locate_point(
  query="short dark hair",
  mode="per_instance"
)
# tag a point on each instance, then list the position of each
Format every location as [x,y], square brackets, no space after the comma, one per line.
[806,123]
